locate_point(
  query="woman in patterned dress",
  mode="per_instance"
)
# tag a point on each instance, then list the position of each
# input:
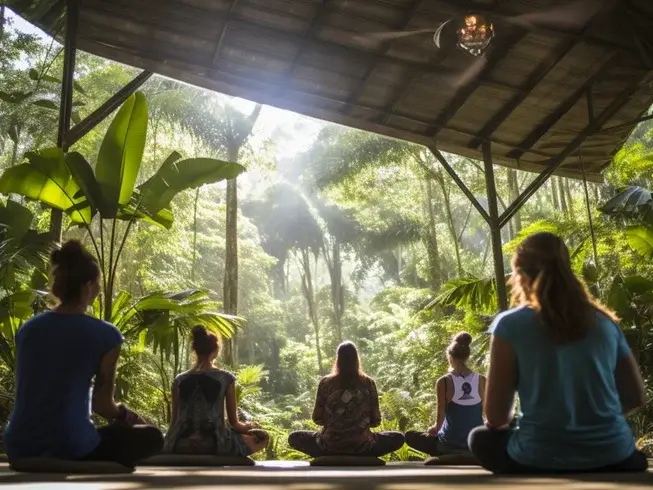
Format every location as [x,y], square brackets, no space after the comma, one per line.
[198,405]
[347,407]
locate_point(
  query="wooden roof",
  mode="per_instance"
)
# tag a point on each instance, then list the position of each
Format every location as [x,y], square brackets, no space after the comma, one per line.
[530,101]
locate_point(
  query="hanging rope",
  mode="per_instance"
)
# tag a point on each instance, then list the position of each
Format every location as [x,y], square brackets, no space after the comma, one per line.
[589,210]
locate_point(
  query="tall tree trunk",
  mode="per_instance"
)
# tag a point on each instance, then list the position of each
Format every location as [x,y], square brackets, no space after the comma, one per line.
[554,194]
[334,264]
[570,202]
[309,294]
[194,265]
[230,289]
[561,194]
[446,197]
[432,248]
[513,189]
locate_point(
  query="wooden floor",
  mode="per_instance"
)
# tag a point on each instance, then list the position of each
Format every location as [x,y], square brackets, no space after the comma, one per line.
[282,475]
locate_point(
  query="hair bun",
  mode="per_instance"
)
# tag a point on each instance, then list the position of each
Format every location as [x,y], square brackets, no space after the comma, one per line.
[69,254]
[199,333]
[463,338]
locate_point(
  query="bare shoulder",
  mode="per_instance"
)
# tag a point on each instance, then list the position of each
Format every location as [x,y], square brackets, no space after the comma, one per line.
[442,380]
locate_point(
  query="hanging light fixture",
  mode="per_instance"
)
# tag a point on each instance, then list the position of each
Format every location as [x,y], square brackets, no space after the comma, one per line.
[475,34]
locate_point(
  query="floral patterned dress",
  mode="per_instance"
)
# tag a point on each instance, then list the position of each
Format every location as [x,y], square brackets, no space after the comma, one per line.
[200,425]
[347,414]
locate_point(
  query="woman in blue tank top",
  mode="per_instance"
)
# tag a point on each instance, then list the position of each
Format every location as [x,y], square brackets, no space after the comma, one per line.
[566,358]
[459,397]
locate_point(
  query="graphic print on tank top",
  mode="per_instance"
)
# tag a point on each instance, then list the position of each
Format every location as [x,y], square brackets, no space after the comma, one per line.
[463,413]
[465,389]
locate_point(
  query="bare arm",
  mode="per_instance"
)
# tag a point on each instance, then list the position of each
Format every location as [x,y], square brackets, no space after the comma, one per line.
[501,384]
[174,412]
[232,412]
[482,384]
[375,418]
[320,402]
[441,404]
[103,402]
[630,384]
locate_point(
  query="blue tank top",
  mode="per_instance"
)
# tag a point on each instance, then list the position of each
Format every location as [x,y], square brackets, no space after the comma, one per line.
[463,413]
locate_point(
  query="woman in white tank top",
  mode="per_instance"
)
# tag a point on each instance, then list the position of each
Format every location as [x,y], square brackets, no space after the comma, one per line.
[459,396]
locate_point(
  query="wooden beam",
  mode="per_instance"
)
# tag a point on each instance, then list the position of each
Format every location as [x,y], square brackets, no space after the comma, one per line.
[495,227]
[461,185]
[591,129]
[563,108]
[102,112]
[223,31]
[317,21]
[495,56]
[400,26]
[66,104]
[540,73]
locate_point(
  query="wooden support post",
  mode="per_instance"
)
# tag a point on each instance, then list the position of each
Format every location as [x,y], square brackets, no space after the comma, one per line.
[65,108]
[495,227]
[101,113]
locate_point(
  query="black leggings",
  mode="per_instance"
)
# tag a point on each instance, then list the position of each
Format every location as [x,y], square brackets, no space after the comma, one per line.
[126,445]
[431,445]
[306,442]
[490,448]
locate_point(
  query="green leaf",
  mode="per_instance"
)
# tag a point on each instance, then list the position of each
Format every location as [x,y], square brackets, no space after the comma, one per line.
[82,172]
[46,104]
[51,79]
[33,74]
[640,239]
[77,86]
[46,178]
[14,97]
[121,153]
[75,117]
[176,176]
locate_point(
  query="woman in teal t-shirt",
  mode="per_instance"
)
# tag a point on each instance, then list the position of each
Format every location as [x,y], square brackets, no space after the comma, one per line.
[576,377]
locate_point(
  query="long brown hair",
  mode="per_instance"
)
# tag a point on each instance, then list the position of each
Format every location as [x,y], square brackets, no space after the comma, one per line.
[347,366]
[542,278]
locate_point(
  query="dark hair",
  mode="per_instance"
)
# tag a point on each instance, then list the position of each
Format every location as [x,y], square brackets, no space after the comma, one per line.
[204,342]
[73,267]
[542,278]
[459,347]
[347,366]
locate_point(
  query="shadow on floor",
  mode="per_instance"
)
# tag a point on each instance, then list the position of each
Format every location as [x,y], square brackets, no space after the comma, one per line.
[391,477]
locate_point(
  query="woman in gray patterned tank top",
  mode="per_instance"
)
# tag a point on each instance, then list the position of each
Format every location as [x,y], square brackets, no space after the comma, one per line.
[198,404]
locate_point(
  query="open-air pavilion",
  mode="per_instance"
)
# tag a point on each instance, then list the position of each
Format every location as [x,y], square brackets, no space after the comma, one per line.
[551,99]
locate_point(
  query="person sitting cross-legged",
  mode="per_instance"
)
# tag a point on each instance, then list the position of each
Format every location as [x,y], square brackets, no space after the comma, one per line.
[347,407]
[58,353]
[198,406]
[459,398]
[567,359]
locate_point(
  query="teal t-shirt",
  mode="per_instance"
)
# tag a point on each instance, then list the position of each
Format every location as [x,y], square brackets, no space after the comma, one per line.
[572,416]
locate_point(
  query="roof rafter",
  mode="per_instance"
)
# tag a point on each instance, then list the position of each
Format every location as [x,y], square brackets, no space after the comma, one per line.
[560,111]
[533,81]
[500,49]
[408,15]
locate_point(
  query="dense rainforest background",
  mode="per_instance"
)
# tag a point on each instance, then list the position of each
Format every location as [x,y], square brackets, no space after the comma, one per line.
[328,234]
